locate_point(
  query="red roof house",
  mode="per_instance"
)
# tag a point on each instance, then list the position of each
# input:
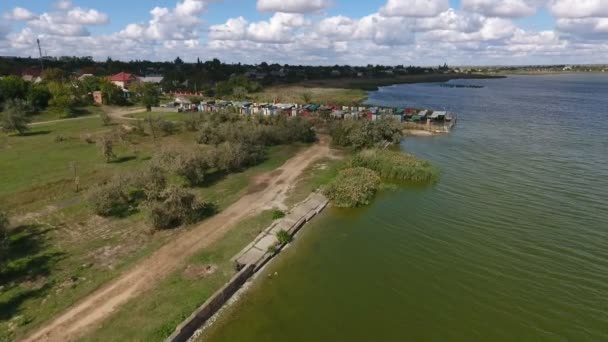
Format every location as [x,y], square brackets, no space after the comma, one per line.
[123,79]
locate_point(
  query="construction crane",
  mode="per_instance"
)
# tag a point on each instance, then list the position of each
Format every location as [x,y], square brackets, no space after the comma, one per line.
[40,52]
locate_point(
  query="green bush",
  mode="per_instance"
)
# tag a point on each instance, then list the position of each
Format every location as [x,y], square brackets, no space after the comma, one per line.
[396,165]
[365,133]
[4,223]
[277,214]
[353,187]
[178,206]
[284,237]
[111,199]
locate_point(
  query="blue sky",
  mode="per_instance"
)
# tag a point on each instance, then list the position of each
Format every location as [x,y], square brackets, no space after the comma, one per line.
[314,31]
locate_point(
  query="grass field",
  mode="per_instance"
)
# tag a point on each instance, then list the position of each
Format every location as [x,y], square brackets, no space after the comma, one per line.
[58,256]
[155,315]
[323,95]
[171,116]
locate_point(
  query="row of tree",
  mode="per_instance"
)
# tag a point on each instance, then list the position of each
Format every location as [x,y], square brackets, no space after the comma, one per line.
[227,143]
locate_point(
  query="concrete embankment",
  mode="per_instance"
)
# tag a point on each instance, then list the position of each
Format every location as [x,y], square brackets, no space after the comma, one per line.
[250,260]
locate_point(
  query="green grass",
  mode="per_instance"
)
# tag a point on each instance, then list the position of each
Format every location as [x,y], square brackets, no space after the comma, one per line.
[155,315]
[171,116]
[50,114]
[234,186]
[71,252]
[36,167]
[312,179]
[322,95]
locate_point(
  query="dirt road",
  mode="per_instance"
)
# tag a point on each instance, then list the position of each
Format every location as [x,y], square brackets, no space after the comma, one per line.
[89,312]
[116,114]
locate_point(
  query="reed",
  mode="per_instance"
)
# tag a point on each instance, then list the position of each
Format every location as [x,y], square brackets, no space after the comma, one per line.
[395,165]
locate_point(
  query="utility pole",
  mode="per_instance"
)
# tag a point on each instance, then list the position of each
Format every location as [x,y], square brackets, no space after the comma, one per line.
[40,52]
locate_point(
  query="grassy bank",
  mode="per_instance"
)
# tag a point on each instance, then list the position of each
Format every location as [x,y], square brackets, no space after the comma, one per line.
[155,315]
[69,252]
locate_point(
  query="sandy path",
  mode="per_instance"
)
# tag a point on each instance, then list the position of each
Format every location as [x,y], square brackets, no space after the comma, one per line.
[90,311]
[116,114]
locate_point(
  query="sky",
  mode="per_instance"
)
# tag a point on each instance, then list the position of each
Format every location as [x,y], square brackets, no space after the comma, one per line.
[314,32]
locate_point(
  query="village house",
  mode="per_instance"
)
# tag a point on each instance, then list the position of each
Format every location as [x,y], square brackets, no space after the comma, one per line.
[123,80]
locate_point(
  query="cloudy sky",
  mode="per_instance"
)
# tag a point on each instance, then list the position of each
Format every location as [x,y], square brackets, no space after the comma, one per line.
[327,32]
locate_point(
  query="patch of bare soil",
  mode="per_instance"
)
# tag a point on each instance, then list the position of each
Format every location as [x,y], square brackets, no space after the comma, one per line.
[99,305]
[194,272]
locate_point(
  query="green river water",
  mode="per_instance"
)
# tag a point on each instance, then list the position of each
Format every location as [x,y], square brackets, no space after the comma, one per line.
[510,245]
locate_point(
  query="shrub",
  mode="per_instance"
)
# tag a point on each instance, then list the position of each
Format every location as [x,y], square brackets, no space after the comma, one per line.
[231,157]
[178,206]
[277,214]
[111,199]
[366,133]
[152,182]
[14,118]
[395,165]
[88,138]
[353,187]
[105,118]
[106,145]
[167,127]
[193,167]
[4,223]
[284,237]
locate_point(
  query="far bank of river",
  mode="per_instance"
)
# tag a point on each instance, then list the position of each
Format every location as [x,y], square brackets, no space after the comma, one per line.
[510,245]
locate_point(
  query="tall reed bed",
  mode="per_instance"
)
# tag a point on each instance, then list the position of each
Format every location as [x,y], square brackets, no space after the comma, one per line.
[396,165]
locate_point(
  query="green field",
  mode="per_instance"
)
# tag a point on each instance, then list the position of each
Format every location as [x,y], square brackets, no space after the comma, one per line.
[59,251]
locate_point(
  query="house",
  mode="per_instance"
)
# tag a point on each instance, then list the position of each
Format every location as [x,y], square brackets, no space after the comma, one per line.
[151,79]
[83,76]
[32,75]
[98,97]
[123,80]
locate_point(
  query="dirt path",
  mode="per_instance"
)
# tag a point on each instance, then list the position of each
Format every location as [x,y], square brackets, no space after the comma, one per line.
[115,114]
[89,312]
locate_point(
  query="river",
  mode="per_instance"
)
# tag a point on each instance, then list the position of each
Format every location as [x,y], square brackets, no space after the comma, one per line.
[510,245]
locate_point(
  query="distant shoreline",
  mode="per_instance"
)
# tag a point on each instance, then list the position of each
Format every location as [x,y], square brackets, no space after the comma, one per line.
[373,84]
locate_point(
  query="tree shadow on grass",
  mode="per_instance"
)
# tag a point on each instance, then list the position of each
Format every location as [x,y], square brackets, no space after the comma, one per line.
[25,266]
[32,133]
[124,159]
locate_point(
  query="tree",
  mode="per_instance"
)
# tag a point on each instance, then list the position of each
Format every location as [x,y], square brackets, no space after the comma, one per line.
[106,144]
[54,75]
[14,117]
[62,98]
[39,96]
[147,93]
[12,87]
[112,94]
[4,223]
[105,118]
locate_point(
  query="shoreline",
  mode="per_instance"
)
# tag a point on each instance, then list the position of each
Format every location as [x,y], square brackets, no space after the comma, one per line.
[372,84]
[249,262]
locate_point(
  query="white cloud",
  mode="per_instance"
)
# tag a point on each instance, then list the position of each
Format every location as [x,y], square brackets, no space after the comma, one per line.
[180,23]
[63,4]
[584,26]
[19,13]
[85,17]
[233,29]
[414,8]
[451,20]
[278,29]
[503,8]
[579,8]
[56,25]
[292,6]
